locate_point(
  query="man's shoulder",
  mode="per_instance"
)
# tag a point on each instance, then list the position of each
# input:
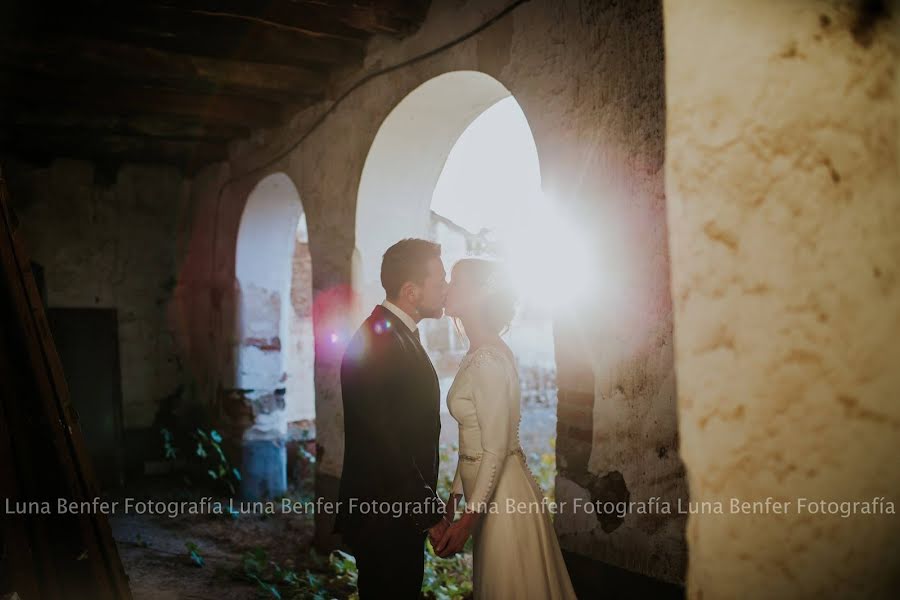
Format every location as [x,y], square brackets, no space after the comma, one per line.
[375,337]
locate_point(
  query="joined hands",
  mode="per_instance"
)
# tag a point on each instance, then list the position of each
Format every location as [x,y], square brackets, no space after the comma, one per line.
[448,537]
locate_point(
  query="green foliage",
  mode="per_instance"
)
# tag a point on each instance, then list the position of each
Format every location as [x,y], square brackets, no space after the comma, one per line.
[344,566]
[194,553]
[306,484]
[168,446]
[448,456]
[447,578]
[321,579]
[543,467]
[209,451]
[335,576]
[267,575]
[208,457]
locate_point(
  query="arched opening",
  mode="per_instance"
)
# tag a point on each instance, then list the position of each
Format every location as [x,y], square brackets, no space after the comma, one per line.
[275,346]
[490,176]
[456,162]
[405,162]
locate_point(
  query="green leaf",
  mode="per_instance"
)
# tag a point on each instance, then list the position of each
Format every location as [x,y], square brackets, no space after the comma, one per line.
[194,551]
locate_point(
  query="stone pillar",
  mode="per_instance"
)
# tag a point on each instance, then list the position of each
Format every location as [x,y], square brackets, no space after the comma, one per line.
[332,251]
[574,424]
[256,431]
[258,415]
[783,186]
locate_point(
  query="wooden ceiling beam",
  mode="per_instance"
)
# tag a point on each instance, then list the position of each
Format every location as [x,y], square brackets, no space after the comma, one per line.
[288,15]
[63,119]
[110,149]
[70,58]
[21,94]
[353,19]
[176,30]
[172,81]
[394,17]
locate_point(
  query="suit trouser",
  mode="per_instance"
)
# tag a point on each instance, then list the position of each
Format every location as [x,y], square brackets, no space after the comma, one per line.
[390,567]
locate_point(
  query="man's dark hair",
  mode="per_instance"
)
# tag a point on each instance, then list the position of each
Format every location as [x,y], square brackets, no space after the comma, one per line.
[407,260]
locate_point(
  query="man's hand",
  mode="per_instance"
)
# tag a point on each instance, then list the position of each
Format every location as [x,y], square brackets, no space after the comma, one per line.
[456,536]
[437,531]
[452,504]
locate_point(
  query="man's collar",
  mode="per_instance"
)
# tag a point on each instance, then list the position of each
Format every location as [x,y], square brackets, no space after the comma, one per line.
[401,314]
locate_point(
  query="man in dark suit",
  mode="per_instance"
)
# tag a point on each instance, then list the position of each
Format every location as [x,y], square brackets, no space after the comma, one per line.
[388,500]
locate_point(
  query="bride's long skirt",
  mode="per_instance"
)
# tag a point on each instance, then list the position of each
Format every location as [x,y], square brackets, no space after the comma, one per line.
[516,553]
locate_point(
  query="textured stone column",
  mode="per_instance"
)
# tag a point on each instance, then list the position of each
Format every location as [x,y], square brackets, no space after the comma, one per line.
[254,425]
[262,426]
[783,188]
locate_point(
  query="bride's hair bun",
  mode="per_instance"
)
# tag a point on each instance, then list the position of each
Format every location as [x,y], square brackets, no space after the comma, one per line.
[497,297]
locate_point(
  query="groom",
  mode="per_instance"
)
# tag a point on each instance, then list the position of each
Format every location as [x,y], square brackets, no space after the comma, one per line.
[391,425]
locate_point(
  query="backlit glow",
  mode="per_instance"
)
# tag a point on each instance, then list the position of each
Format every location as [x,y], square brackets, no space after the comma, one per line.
[492,181]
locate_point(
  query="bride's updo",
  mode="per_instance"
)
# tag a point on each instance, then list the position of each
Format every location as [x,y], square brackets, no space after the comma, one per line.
[490,291]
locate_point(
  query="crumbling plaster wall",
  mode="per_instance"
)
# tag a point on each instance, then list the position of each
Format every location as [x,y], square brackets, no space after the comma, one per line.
[111,244]
[783,171]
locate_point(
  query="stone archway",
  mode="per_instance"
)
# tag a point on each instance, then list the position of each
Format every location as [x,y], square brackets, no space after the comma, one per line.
[421,130]
[456,162]
[273,331]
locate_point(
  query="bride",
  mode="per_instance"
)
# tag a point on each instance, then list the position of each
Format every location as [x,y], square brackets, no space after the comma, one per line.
[516,553]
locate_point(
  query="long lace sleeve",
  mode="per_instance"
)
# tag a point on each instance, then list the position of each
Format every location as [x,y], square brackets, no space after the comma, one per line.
[493,408]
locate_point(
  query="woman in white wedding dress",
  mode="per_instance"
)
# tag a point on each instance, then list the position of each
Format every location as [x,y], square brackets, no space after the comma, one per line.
[516,553]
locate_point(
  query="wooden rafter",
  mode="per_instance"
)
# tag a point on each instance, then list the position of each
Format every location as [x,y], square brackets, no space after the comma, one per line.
[173,80]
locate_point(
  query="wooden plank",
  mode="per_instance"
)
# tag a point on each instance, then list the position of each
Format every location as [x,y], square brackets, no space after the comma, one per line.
[76,59]
[122,100]
[171,29]
[17,572]
[95,571]
[398,17]
[111,150]
[346,20]
[82,122]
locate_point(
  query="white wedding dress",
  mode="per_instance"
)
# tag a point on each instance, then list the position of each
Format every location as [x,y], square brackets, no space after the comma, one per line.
[516,553]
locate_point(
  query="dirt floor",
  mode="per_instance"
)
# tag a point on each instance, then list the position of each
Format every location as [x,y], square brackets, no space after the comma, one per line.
[154,551]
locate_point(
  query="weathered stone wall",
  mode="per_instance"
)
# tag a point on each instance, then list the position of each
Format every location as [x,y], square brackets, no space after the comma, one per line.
[112,245]
[589,77]
[783,171]
[300,354]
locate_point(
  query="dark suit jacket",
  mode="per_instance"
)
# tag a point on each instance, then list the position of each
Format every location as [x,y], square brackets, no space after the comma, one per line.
[392,424]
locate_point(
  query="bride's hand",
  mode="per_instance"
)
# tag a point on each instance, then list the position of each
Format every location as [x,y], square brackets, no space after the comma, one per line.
[454,539]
